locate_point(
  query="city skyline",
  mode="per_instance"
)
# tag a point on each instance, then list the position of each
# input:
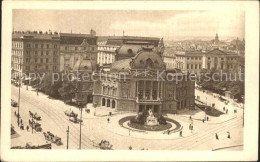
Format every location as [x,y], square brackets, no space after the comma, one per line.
[172,25]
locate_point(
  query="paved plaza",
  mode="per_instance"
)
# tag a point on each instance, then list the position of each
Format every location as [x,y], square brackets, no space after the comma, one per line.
[95,126]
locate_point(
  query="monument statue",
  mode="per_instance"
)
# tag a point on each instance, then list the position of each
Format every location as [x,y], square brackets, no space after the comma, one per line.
[151,119]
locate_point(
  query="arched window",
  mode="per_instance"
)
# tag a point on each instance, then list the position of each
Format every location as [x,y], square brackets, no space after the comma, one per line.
[141,62]
[130,51]
[149,63]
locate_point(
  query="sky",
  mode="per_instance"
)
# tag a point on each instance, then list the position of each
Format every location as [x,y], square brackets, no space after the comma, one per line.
[170,24]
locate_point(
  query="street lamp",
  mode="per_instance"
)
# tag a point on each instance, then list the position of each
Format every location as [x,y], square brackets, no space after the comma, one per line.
[80,122]
[243,100]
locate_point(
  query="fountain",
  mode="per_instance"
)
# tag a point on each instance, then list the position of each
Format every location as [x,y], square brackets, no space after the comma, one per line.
[151,120]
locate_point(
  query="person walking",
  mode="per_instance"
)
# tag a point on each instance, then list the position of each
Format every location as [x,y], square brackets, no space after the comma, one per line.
[27,127]
[181,133]
[190,117]
[130,147]
[207,118]
[224,108]
[228,135]
[227,111]
[108,120]
[216,136]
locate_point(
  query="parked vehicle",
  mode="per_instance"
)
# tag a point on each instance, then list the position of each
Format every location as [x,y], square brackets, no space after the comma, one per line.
[75,120]
[70,113]
[14,103]
[36,116]
[54,139]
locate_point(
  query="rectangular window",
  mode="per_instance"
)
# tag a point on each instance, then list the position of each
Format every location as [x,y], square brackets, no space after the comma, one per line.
[27,67]
[195,58]
[199,66]
[55,45]
[47,60]
[41,60]
[36,52]
[195,66]
[27,60]
[47,52]
[47,67]
[208,65]
[191,58]
[47,45]
[76,48]
[42,45]
[36,45]
[54,60]
[191,66]
[208,58]
[35,60]
[93,48]
[85,48]
[41,53]
[188,58]
[54,67]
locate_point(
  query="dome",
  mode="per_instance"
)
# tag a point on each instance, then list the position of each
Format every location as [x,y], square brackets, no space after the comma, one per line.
[130,50]
[83,65]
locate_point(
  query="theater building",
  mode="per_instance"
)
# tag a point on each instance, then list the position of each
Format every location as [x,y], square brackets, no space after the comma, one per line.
[137,82]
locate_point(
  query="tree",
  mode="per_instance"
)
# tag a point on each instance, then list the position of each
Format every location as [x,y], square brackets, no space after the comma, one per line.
[67,90]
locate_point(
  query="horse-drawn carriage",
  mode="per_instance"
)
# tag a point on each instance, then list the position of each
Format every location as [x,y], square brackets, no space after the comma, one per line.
[105,145]
[75,119]
[35,116]
[36,126]
[54,139]
[70,113]
[14,103]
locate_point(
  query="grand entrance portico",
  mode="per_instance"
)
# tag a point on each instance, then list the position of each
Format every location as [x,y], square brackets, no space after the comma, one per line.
[156,108]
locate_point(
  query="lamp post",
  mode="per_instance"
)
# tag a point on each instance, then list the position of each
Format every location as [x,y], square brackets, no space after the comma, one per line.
[80,122]
[205,108]
[19,84]
[68,130]
[243,109]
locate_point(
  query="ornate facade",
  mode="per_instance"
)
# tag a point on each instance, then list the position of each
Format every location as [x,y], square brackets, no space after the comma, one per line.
[139,80]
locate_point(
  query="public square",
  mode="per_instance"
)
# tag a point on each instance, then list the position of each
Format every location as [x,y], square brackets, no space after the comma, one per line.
[95,126]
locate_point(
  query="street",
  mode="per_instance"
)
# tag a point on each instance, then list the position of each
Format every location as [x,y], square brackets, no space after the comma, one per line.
[55,121]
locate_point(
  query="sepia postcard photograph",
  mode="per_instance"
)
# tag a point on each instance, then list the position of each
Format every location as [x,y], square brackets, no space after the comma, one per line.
[143,80]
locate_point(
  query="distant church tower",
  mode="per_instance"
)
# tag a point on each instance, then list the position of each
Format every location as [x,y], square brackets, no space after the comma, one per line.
[216,38]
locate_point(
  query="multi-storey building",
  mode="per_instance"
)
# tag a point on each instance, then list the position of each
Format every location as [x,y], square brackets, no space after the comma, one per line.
[74,47]
[107,46]
[194,62]
[133,84]
[34,52]
[106,51]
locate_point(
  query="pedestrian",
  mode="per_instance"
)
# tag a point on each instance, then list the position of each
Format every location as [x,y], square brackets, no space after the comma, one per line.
[27,127]
[181,133]
[216,136]
[228,135]
[224,108]
[207,118]
[190,117]
[227,111]
[21,121]
[18,121]
[168,132]
[203,120]
[15,113]
[108,120]
[130,147]
[190,126]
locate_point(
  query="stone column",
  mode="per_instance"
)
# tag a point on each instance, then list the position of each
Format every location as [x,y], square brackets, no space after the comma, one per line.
[151,91]
[137,90]
[158,90]
[144,90]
